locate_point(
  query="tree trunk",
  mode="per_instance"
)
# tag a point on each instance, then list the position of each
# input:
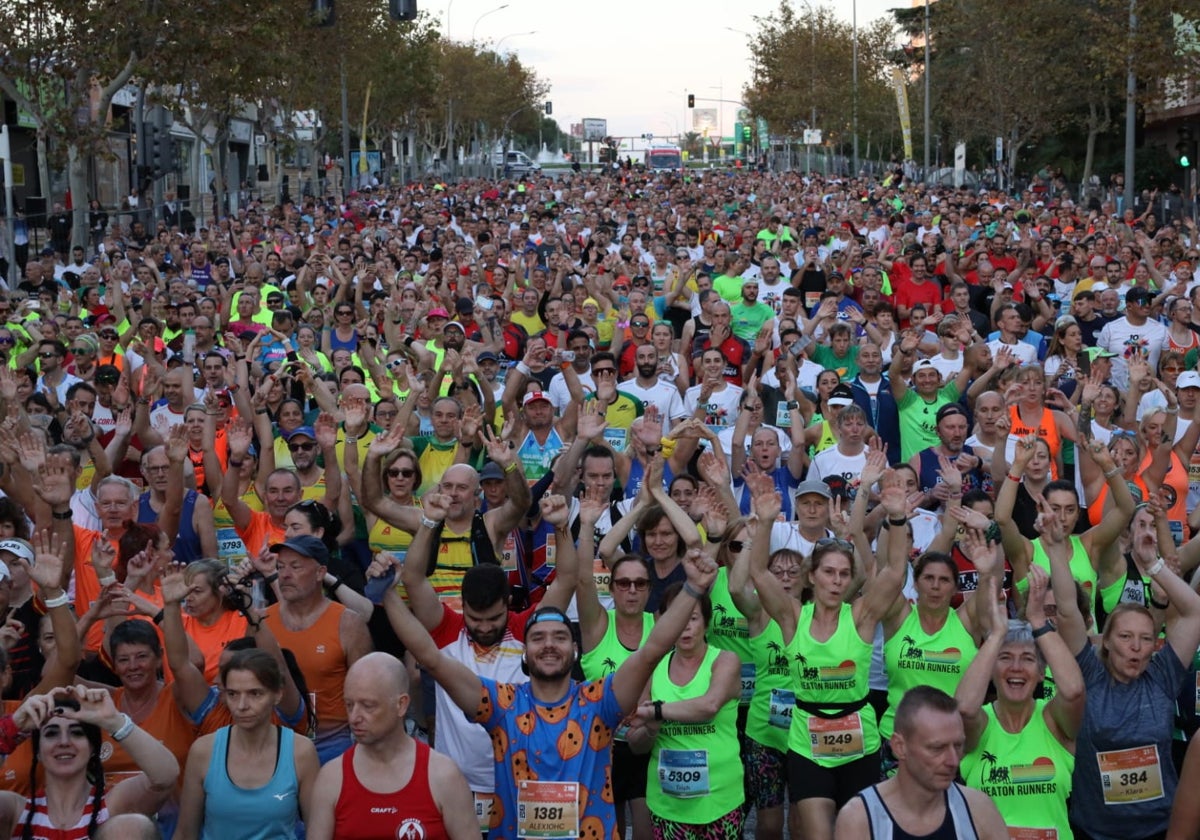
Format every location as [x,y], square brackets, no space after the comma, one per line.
[43,163]
[77,180]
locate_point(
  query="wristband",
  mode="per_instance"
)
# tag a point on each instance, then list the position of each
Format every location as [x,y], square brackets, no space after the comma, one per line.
[510,468]
[337,582]
[1157,567]
[271,578]
[693,591]
[108,580]
[60,601]
[658,704]
[523,369]
[241,358]
[1048,627]
[668,447]
[237,465]
[262,411]
[1013,478]
[350,439]
[1174,409]
[122,731]
[158,617]
[1112,472]
[62,515]
[1157,605]
[408,341]
[429,523]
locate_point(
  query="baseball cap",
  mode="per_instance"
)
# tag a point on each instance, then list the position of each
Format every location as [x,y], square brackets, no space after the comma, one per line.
[18,548]
[1187,379]
[438,313]
[305,546]
[1139,295]
[534,396]
[1099,353]
[841,395]
[491,472]
[816,486]
[300,431]
[487,356]
[456,325]
[924,364]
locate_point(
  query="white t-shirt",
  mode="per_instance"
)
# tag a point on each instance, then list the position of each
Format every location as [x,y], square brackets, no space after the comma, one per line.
[1026,354]
[660,394]
[829,463]
[1124,339]
[560,397]
[721,408]
[949,368]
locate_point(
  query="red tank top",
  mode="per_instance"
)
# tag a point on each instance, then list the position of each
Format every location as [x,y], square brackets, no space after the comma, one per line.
[43,829]
[409,813]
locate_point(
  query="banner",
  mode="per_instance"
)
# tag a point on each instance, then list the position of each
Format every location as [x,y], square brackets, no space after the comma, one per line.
[899,83]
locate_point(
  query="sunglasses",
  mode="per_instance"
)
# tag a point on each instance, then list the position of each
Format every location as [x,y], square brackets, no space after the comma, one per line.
[301,447]
[398,472]
[6,341]
[395,364]
[81,351]
[604,372]
[47,355]
[631,584]
[639,325]
[343,312]
[112,336]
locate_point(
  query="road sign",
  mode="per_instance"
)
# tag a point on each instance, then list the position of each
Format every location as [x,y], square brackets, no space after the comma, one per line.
[594,129]
[812,137]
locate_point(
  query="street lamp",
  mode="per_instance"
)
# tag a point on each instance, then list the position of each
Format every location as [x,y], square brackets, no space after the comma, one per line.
[496,46]
[482,16]
[854,88]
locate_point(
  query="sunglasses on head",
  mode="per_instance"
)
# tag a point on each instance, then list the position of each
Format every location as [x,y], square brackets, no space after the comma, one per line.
[399,472]
[835,542]
[111,334]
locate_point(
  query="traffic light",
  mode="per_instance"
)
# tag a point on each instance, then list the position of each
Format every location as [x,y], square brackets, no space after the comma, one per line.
[401,9]
[161,155]
[1185,149]
[746,133]
[322,13]
[691,100]
[549,108]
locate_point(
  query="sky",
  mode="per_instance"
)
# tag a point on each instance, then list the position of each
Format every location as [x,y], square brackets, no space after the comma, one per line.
[632,64]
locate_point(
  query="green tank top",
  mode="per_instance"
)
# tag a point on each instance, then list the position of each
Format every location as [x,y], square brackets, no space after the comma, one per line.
[831,677]
[730,631]
[913,657]
[1027,774]
[827,437]
[387,537]
[608,654]
[770,715]
[1081,566]
[695,768]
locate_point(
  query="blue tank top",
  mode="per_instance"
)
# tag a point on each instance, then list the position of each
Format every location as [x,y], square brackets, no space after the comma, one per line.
[637,472]
[266,813]
[336,343]
[187,541]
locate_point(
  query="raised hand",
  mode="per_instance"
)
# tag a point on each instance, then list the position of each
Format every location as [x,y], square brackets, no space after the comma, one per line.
[435,505]
[1047,523]
[764,498]
[383,444]
[48,560]
[1026,447]
[592,505]
[714,469]
[174,584]
[892,495]
[1035,601]
[53,481]
[555,510]
[498,449]
[472,420]
[701,571]
[177,444]
[239,435]
[592,422]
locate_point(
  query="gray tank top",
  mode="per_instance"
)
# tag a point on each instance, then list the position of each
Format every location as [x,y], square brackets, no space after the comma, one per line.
[958,824]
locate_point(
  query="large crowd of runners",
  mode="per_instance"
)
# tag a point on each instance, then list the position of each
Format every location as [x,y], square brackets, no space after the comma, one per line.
[605,505]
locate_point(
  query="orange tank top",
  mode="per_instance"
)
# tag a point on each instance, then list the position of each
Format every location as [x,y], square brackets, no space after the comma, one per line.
[318,651]
[166,722]
[1046,429]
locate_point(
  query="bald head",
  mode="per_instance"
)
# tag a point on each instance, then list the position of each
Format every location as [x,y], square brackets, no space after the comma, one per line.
[463,473]
[356,391]
[382,670]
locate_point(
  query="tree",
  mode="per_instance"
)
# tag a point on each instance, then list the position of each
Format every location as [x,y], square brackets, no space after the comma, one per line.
[803,70]
[63,61]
